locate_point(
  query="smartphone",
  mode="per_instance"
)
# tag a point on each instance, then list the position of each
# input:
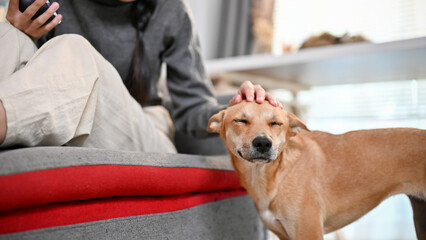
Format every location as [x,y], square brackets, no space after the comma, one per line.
[23,4]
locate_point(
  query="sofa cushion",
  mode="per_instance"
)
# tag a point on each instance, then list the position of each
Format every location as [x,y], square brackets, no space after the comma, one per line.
[52,186]
[35,176]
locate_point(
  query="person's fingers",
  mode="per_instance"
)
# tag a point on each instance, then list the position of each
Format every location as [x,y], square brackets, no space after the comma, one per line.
[52,24]
[259,93]
[250,92]
[273,101]
[247,91]
[22,20]
[35,34]
[42,19]
[235,100]
[37,27]
[33,8]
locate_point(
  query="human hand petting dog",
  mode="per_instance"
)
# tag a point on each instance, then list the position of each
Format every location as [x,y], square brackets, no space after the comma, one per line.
[34,28]
[250,92]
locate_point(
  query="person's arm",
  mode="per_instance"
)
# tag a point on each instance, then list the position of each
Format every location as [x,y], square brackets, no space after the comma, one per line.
[190,88]
[33,28]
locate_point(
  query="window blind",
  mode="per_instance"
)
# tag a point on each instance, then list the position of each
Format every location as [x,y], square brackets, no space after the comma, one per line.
[342,108]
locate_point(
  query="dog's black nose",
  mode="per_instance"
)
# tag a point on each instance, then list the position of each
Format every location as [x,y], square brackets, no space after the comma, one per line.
[262,144]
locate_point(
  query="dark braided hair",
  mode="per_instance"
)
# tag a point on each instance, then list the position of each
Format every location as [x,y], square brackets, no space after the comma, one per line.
[138,81]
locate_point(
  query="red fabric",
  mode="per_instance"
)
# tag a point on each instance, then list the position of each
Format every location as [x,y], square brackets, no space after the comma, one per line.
[60,214]
[88,182]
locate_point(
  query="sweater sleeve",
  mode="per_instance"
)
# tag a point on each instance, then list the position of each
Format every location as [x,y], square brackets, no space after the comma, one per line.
[190,89]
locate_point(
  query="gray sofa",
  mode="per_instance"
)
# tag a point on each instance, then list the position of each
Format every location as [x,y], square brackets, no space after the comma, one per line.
[82,193]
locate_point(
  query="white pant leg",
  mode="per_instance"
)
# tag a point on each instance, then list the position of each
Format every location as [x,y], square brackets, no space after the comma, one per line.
[68,94]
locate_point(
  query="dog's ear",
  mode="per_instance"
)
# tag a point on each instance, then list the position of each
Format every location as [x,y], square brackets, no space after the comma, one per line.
[215,122]
[296,125]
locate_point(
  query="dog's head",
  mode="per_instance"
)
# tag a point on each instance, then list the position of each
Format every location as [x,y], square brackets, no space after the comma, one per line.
[255,132]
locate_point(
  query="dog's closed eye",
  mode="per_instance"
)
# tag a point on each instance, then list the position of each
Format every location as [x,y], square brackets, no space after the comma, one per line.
[276,124]
[241,121]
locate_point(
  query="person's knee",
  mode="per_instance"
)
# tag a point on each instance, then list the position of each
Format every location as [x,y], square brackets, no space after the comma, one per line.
[72,50]
[73,41]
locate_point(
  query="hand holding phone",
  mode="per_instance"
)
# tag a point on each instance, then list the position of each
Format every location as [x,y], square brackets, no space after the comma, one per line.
[33,17]
[23,4]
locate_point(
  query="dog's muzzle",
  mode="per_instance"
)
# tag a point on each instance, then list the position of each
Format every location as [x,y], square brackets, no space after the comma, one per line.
[260,151]
[262,144]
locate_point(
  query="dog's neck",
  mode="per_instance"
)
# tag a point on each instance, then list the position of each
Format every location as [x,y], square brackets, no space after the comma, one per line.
[253,177]
[258,178]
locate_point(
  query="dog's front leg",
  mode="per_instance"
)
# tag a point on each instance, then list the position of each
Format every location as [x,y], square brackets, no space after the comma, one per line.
[306,228]
[282,235]
[300,221]
[309,225]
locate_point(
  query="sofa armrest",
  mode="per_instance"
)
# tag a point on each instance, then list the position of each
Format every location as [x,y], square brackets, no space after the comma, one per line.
[70,192]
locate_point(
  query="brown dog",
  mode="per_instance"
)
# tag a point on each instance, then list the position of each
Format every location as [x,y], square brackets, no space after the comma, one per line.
[306,184]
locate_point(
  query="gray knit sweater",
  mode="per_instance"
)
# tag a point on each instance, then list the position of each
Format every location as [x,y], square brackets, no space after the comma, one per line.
[170,38]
